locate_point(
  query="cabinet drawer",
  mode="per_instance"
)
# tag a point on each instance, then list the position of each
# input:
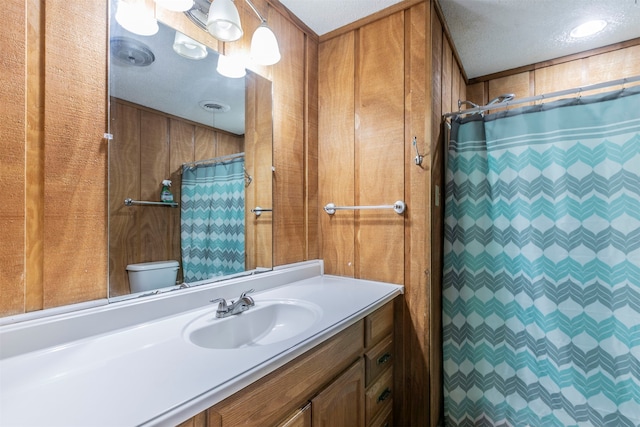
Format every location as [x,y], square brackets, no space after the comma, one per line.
[384,419]
[379,396]
[378,359]
[378,325]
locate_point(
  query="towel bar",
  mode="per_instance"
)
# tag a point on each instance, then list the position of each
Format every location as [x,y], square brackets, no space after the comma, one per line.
[399,207]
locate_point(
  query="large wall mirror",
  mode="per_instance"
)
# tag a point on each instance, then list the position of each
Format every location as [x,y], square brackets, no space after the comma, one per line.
[175,118]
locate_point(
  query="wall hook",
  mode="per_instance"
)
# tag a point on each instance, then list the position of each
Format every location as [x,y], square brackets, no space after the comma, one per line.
[419,157]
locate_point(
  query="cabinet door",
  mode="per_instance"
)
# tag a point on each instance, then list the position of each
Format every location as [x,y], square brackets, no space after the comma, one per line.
[302,418]
[341,404]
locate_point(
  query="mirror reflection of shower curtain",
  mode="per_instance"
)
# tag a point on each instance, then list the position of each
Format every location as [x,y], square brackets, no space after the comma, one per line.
[541,287]
[212,220]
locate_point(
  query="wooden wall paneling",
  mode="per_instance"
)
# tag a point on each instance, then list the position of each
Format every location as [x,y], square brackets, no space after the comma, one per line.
[258,161]
[229,144]
[250,194]
[557,77]
[439,57]
[411,367]
[478,93]
[455,84]
[75,157]
[447,78]
[288,146]
[34,190]
[599,68]
[124,167]
[13,144]
[312,223]
[182,150]
[336,127]
[379,149]
[519,84]
[263,174]
[154,168]
[205,142]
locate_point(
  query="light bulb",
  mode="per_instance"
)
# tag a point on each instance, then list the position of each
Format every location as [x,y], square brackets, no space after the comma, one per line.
[264,46]
[175,5]
[136,18]
[589,28]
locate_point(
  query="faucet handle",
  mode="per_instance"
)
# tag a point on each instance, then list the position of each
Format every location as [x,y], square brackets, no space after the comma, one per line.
[248,299]
[222,304]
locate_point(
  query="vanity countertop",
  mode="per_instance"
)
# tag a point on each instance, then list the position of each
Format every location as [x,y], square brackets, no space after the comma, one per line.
[143,370]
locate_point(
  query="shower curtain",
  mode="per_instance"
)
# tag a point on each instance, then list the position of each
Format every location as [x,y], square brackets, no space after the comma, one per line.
[541,288]
[212,220]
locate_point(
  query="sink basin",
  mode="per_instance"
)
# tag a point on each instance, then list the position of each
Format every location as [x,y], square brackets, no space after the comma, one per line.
[268,322]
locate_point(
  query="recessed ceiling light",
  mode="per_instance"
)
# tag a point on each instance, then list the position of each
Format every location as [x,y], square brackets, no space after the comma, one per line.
[589,28]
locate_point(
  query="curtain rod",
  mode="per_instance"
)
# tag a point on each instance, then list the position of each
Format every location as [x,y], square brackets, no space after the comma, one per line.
[215,159]
[544,96]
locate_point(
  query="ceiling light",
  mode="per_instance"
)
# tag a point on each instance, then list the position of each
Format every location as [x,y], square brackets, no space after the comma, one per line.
[223,21]
[589,28]
[189,48]
[136,18]
[264,46]
[175,5]
[230,67]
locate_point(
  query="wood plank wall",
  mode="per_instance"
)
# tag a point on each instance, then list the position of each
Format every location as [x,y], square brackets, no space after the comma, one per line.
[258,148]
[54,157]
[588,68]
[148,147]
[381,83]
[54,101]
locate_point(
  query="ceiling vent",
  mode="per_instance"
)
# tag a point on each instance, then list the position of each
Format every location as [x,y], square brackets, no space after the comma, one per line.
[214,106]
[131,52]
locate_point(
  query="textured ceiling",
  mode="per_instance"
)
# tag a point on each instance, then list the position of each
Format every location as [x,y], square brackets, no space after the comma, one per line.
[497,35]
[323,16]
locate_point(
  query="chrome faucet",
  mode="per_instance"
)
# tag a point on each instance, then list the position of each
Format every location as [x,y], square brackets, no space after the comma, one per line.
[242,304]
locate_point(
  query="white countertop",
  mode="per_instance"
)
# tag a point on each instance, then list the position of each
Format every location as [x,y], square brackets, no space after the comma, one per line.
[149,373]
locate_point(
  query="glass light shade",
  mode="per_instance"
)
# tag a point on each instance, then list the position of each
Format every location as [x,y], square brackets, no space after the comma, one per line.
[230,67]
[189,48]
[175,5]
[264,46]
[136,18]
[223,21]
[589,28]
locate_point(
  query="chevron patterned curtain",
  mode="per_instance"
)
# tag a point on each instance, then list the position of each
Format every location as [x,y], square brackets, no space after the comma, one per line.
[541,290]
[212,220]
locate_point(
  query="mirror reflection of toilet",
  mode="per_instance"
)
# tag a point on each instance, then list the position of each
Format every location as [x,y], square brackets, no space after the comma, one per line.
[148,276]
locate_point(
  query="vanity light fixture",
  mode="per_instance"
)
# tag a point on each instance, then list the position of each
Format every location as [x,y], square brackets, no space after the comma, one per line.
[223,23]
[134,17]
[175,5]
[230,66]
[189,48]
[589,28]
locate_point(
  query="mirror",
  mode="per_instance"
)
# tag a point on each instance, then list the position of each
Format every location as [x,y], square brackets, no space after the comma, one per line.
[175,118]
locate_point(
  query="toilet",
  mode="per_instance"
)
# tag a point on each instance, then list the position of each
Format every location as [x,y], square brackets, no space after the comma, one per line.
[147,276]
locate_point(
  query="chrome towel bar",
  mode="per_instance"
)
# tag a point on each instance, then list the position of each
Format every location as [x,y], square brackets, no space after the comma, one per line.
[258,210]
[399,207]
[131,202]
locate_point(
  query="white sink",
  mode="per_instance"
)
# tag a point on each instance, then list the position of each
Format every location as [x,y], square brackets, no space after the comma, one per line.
[268,322]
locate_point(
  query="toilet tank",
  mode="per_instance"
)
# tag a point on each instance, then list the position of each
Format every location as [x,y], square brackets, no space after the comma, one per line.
[147,276]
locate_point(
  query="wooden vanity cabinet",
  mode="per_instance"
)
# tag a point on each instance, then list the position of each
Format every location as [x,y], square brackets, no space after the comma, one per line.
[340,383]
[378,359]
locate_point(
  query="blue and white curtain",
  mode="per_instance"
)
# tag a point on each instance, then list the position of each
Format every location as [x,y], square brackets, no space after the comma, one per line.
[212,220]
[541,292]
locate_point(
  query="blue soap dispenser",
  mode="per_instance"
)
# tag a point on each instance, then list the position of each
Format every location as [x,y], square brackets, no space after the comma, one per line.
[165,194]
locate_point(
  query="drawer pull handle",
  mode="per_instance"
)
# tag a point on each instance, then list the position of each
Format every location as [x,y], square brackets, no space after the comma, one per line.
[386,424]
[384,358]
[384,395]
